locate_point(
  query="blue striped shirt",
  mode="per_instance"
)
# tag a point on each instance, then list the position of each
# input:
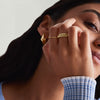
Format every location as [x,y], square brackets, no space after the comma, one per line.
[79,88]
[1,95]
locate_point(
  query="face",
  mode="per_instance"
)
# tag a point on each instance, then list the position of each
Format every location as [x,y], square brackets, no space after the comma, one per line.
[88,19]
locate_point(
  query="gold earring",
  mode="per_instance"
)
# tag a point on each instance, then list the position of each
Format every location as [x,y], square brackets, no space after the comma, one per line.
[43,39]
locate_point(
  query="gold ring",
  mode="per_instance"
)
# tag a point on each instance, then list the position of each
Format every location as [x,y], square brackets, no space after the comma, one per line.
[52,37]
[61,35]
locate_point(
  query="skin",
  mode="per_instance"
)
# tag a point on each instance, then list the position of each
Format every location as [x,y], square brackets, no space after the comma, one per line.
[64,57]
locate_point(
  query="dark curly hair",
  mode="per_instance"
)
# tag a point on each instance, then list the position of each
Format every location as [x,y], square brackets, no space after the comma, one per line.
[23,54]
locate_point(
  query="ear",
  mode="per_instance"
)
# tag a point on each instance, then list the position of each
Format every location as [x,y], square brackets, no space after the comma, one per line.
[45,25]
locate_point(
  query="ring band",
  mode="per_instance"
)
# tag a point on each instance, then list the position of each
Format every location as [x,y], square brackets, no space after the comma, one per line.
[52,37]
[61,35]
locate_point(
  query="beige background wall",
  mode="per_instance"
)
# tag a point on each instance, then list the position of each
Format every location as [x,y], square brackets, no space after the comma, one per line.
[16,16]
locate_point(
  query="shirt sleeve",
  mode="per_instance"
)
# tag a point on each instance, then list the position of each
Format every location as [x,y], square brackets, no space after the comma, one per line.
[79,88]
[1,94]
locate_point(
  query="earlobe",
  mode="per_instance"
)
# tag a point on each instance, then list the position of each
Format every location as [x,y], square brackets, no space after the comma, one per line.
[45,25]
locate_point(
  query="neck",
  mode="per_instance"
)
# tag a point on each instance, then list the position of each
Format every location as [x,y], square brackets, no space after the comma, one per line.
[44,85]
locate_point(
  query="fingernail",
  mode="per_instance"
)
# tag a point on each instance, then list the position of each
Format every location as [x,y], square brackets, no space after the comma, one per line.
[72,19]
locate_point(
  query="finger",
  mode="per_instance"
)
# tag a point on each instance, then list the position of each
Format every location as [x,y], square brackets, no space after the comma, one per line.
[68,23]
[63,41]
[73,34]
[85,43]
[53,41]
[64,29]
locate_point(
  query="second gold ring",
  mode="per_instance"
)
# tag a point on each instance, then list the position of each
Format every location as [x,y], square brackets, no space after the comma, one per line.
[61,35]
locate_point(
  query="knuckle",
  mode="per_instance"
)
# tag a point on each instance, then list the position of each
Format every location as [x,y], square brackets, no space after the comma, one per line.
[53,50]
[63,26]
[75,29]
[53,53]
[53,28]
[64,52]
[72,29]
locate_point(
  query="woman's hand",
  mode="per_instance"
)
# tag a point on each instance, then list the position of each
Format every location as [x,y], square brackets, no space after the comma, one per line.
[69,56]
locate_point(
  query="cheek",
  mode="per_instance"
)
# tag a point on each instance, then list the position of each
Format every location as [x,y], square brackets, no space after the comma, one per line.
[95,42]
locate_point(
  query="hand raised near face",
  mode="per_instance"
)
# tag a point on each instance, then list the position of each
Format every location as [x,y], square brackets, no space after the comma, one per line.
[69,56]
